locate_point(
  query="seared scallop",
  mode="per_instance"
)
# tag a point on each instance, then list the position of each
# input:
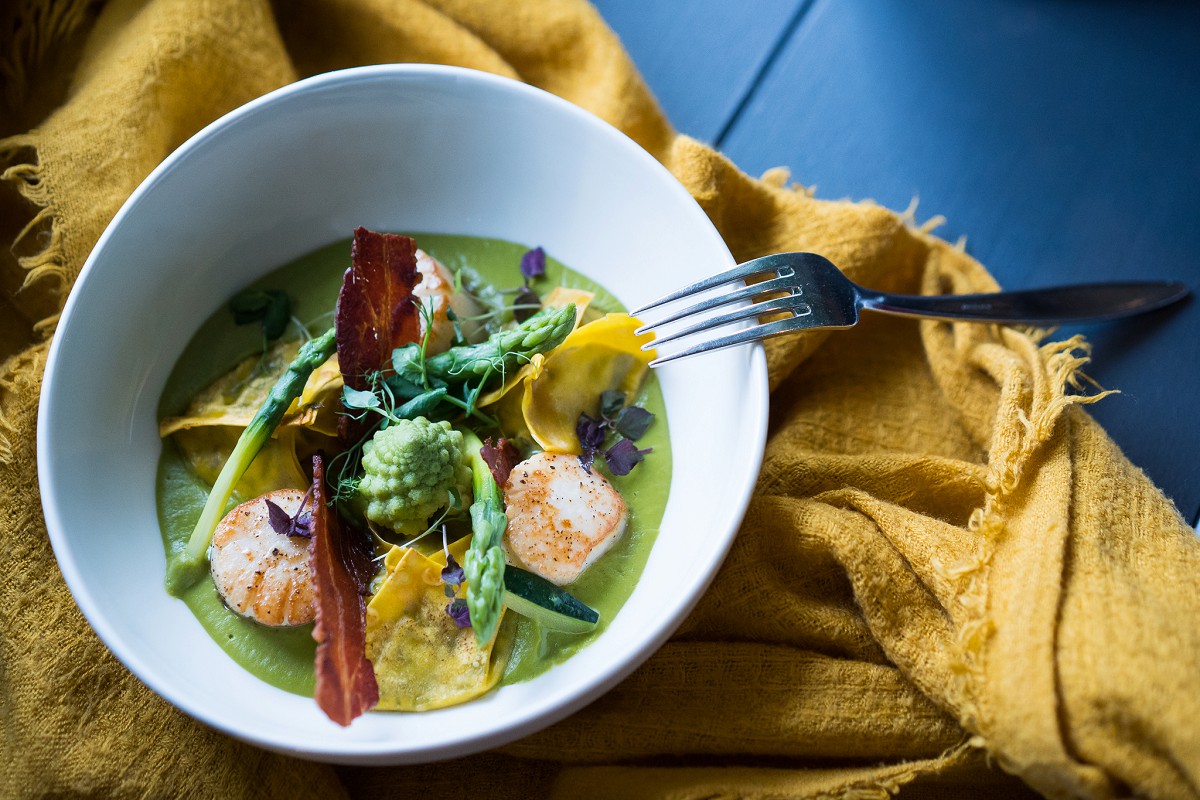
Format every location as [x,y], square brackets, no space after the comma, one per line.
[437,295]
[561,518]
[259,573]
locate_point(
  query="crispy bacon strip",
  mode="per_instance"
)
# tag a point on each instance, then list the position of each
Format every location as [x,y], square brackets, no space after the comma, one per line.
[375,308]
[375,311]
[341,568]
[500,457]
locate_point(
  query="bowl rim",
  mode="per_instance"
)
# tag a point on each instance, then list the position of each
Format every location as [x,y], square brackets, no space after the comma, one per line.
[348,751]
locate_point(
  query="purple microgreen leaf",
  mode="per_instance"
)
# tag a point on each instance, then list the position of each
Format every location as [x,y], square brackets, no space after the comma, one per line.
[623,456]
[280,521]
[611,403]
[302,525]
[452,574]
[355,398]
[632,422]
[526,304]
[533,263]
[459,613]
[284,525]
[590,432]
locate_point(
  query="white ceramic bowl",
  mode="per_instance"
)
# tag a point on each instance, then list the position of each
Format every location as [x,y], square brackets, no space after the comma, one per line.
[392,148]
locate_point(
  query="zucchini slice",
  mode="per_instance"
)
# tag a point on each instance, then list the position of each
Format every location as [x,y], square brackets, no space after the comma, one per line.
[537,598]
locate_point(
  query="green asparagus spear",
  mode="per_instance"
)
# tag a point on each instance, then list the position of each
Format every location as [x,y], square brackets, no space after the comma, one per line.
[185,570]
[503,351]
[483,563]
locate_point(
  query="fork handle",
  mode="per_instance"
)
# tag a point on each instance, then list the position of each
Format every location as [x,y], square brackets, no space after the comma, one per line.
[1094,302]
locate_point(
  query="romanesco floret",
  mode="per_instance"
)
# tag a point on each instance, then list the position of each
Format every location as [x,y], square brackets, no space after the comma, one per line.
[412,469]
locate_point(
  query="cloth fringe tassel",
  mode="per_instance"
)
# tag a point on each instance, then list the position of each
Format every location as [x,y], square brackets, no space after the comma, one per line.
[1057,367]
[20,168]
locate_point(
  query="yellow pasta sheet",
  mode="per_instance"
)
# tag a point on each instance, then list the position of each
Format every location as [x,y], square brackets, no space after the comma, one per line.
[422,659]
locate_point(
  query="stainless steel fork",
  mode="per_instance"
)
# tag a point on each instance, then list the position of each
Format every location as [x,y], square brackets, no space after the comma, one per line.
[815,294]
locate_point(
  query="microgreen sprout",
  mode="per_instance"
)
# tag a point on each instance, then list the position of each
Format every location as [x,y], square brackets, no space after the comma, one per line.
[458,611]
[459,338]
[344,471]
[285,525]
[632,422]
[623,456]
[533,266]
[525,302]
[591,433]
[272,308]
[319,322]
[437,524]
[453,576]
[629,423]
[426,312]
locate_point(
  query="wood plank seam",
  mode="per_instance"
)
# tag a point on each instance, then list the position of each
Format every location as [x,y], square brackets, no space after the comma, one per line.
[785,35]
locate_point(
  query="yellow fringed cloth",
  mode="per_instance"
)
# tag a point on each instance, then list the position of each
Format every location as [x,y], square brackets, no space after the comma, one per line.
[949,583]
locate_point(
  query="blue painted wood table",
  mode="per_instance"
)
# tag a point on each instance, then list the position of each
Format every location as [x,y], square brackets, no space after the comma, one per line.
[1061,138]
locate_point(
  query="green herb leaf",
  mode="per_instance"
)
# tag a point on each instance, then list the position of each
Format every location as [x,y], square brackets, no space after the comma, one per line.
[278,312]
[611,403]
[410,365]
[632,422]
[472,395]
[249,306]
[272,308]
[458,332]
[403,388]
[354,398]
[422,405]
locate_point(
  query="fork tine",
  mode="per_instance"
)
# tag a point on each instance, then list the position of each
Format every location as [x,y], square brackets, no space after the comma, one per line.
[774,285]
[763,331]
[740,272]
[791,303]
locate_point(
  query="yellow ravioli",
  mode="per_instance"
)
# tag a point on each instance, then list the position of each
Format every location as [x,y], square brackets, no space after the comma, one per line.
[207,448]
[422,659]
[234,398]
[210,426]
[600,356]
[319,403]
